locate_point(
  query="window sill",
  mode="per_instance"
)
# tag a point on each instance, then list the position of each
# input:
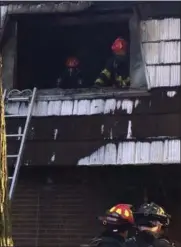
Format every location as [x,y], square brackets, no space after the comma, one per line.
[89,93]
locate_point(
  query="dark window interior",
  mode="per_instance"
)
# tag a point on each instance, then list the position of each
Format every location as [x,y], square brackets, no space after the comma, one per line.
[42,50]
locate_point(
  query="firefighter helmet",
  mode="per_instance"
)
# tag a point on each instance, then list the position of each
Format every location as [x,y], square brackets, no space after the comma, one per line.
[72,62]
[118,215]
[119,45]
[152,212]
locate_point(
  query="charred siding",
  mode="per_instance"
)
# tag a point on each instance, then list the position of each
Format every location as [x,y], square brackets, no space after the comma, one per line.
[107,131]
[158,102]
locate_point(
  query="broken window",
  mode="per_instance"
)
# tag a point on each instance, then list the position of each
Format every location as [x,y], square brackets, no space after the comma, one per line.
[44,46]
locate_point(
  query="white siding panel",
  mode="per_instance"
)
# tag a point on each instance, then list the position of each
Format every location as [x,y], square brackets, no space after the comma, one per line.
[161,49]
[54,108]
[73,107]
[125,153]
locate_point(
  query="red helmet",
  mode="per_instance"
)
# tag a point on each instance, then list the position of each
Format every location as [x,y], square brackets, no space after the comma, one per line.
[120,214]
[119,45]
[72,62]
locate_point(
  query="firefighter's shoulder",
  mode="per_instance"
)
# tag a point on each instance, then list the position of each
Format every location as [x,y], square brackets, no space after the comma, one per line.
[130,242]
[164,242]
[103,242]
[95,242]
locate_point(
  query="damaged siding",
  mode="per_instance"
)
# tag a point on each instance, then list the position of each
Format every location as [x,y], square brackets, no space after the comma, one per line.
[156,152]
[58,106]
[114,131]
[73,107]
[161,48]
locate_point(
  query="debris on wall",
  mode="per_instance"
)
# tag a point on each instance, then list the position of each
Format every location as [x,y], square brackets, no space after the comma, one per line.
[155,152]
[171,93]
[161,45]
[53,157]
[129,133]
[20,131]
[55,134]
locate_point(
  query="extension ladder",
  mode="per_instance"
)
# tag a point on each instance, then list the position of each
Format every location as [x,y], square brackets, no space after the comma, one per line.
[18,157]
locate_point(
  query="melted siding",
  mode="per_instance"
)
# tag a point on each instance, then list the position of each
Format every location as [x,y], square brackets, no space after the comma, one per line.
[73,107]
[161,47]
[156,152]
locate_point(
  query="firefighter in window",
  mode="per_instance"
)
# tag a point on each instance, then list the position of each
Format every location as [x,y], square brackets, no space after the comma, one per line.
[117,221]
[151,221]
[116,71]
[71,77]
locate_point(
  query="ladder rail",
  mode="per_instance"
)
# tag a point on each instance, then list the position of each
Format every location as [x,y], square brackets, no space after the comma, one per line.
[22,146]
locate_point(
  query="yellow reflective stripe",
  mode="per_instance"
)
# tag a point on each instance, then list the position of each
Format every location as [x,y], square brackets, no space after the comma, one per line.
[161,211]
[106,73]
[124,83]
[126,213]
[121,81]
[119,211]
[127,80]
[99,81]
[119,78]
[112,209]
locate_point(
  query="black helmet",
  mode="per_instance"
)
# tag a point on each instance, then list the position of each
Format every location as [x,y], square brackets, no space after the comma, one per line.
[150,212]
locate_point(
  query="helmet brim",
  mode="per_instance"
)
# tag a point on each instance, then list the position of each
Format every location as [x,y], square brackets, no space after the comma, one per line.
[111,220]
[163,219]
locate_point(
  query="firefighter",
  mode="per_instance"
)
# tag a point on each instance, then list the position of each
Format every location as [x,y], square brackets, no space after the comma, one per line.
[117,221]
[116,71]
[151,221]
[71,77]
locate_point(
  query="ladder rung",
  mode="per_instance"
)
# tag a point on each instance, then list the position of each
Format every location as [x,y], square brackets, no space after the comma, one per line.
[15,116]
[10,178]
[18,99]
[14,135]
[12,156]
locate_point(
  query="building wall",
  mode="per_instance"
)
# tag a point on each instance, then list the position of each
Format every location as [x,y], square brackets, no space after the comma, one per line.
[161,49]
[125,130]
[56,207]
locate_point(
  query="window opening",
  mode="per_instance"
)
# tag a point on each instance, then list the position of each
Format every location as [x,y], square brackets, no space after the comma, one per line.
[42,53]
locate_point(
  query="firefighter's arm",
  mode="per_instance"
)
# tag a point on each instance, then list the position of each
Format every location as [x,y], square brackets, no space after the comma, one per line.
[163,243]
[105,75]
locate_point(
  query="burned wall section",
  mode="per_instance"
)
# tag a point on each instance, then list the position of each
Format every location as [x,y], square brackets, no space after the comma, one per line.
[9,56]
[71,130]
[59,206]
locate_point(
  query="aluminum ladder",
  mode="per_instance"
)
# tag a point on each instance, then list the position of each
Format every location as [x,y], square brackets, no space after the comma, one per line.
[18,157]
